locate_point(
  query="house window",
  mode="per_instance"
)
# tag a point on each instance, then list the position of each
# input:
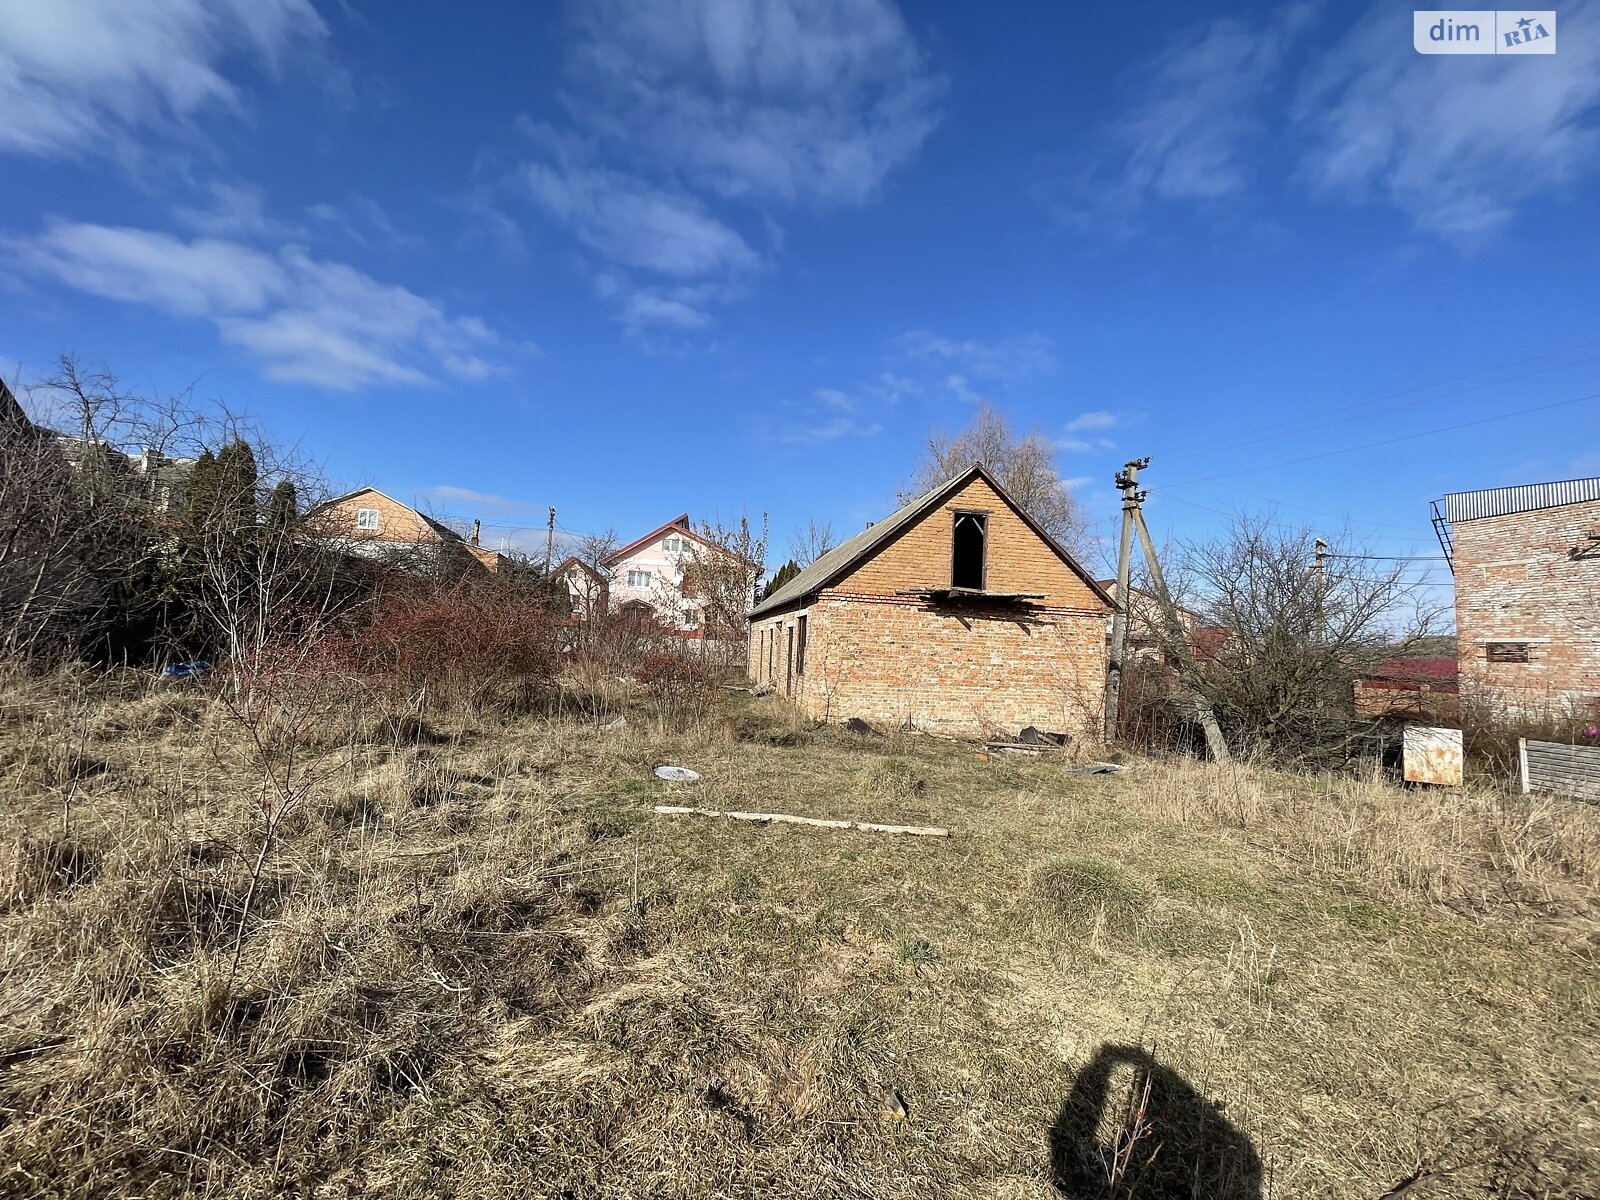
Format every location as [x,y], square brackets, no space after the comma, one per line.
[1508,652]
[967,550]
[367,518]
[676,544]
[800,647]
[640,579]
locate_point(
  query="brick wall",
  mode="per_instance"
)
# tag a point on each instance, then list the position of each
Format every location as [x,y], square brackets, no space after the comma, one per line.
[1016,560]
[959,668]
[1519,583]
[1386,698]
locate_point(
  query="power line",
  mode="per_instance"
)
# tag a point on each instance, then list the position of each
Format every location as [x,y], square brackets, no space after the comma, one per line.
[1407,437]
[1316,512]
[1189,451]
[1405,558]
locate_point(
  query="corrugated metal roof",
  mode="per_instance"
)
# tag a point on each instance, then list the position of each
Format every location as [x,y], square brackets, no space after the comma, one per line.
[1500,502]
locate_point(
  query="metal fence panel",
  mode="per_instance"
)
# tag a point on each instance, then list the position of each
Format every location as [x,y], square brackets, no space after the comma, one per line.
[1562,769]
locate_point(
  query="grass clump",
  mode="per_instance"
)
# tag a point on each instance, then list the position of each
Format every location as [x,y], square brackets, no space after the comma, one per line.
[892,781]
[1092,895]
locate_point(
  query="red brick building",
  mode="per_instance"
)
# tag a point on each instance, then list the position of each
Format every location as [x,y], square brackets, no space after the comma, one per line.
[957,614]
[1418,688]
[1527,567]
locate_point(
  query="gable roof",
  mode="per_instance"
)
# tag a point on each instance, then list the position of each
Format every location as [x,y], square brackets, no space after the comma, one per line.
[572,560]
[839,561]
[679,525]
[444,531]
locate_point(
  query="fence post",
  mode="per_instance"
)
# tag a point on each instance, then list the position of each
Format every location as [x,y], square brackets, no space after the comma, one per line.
[1522,762]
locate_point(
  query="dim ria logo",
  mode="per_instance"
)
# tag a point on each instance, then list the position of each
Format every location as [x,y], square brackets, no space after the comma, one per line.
[1484,31]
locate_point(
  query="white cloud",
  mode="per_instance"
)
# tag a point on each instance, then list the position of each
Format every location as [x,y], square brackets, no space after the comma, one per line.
[446,493]
[233,210]
[1008,359]
[1076,483]
[84,76]
[363,221]
[690,120]
[1457,144]
[1091,420]
[1189,136]
[307,320]
[788,100]
[831,414]
[958,387]
[635,224]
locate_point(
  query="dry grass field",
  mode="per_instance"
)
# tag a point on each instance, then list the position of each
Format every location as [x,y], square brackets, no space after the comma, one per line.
[474,963]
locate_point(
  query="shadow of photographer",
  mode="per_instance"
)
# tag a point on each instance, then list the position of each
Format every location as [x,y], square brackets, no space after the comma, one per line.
[1132,1127]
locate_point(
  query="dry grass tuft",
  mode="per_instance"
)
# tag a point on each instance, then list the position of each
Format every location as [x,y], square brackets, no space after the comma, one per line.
[893,781]
[1092,896]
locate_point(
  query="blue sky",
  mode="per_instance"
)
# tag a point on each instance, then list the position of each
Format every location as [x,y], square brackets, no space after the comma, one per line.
[719,255]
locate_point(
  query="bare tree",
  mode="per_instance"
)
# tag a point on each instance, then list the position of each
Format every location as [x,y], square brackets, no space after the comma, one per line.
[1296,632]
[1024,464]
[721,579]
[811,543]
[132,523]
[48,587]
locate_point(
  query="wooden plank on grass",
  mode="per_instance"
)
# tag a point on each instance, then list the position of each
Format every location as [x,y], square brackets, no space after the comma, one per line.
[678,810]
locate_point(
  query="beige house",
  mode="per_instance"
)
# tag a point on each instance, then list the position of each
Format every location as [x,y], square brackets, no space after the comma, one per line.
[373,525]
[955,614]
[586,587]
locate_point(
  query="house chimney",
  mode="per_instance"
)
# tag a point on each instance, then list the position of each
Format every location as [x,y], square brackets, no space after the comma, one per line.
[476,527]
[870,524]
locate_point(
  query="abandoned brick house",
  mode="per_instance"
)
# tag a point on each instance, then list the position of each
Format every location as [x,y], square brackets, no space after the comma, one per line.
[956,614]
[1527,571]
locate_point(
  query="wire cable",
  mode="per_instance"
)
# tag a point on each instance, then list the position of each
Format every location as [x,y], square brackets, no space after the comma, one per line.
[1190,450]
[1406,437]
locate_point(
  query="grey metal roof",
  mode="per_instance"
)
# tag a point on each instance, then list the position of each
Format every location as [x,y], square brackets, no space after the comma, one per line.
[1500,502]
[840,559]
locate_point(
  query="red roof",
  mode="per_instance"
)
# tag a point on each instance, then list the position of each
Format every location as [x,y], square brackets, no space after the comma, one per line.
[1418,670]
[678,525]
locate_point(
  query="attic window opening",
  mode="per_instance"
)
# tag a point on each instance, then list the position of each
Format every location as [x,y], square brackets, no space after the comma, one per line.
[367,518]
[968,540]
[1507,652]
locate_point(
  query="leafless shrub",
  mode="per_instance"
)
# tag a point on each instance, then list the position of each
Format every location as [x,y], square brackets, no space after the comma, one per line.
[1298,626]
[477,641]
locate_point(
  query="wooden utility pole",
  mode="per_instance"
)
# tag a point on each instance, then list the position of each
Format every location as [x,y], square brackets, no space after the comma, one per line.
[1128,482]
[1317,572]
[549,540]
[1178,640]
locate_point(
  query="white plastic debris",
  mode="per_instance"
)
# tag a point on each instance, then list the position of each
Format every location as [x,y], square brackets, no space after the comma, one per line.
[614,726]
[678,774]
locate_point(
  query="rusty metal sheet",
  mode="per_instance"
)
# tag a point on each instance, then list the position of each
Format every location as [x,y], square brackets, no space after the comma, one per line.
[1433,755]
